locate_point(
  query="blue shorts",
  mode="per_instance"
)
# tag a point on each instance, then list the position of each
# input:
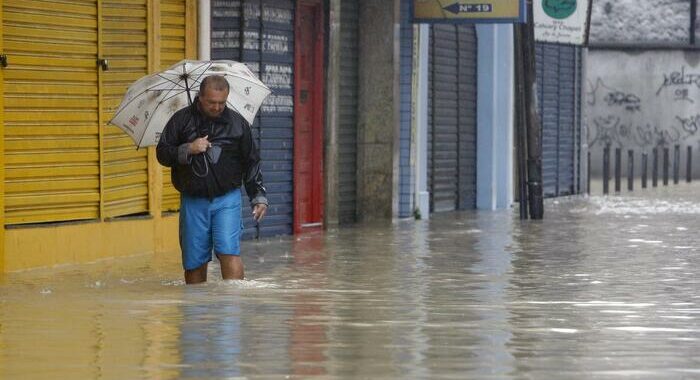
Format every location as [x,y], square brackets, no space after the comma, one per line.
[209,224]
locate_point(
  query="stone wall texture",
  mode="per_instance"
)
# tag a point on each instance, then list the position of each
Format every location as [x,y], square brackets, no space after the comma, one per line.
[640,21]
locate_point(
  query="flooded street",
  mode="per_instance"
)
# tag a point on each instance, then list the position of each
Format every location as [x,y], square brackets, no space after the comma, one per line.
[604,287]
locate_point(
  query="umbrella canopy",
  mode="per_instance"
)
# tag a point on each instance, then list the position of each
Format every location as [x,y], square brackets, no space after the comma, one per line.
[150,101]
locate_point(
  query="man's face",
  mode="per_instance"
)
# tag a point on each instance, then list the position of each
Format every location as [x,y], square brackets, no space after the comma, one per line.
[212,102]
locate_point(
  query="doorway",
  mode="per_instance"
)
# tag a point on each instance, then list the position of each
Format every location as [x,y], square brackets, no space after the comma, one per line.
[308,116]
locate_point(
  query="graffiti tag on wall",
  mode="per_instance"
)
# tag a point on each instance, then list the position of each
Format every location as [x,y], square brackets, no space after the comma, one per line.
[642,101]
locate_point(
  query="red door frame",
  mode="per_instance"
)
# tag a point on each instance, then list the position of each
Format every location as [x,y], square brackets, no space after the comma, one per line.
[317,114]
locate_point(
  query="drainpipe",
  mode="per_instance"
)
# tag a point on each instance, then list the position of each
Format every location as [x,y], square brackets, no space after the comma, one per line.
[204,44]
[332,109]
[534,134]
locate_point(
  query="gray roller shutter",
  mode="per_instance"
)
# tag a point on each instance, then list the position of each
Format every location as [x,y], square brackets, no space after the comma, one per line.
[452,118]
[467,117]
[558,73]
[347,117]
[273,61]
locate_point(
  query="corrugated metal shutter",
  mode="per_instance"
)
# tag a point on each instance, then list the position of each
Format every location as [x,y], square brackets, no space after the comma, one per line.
[452,118]
[124,36]
[444,128]
[172,50]
[431,102]
[578,121]
[274,128]
[347,116]
[406,89]
[558,69]
[51,111]
[467,47]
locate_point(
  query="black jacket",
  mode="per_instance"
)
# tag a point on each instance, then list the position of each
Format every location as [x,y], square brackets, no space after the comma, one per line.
[233,160]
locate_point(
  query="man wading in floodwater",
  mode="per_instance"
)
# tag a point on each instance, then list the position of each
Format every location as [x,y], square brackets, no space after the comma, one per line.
[211,151]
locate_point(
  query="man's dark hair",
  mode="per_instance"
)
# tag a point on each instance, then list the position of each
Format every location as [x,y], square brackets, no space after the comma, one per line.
[217,82]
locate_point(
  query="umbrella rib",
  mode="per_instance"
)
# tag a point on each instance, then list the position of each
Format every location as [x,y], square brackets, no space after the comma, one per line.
[148,123]
[172,89]
[163,99]
[144,130]
[175,82]
[136,96]
[196,80]
[168,96]
[155,109]
[225,74]
[208,65]
[251,81]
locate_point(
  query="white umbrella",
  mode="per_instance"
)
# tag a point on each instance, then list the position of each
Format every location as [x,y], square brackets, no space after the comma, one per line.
[150,101]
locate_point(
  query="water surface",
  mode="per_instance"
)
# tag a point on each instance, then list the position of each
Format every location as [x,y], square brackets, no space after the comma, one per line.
[604,287]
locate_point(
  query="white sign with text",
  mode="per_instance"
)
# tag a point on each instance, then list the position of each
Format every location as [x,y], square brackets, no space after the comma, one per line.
[561,21]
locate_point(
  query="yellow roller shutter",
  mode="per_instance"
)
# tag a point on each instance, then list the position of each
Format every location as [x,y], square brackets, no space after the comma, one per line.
[172,50]
[124,46]
[51,111]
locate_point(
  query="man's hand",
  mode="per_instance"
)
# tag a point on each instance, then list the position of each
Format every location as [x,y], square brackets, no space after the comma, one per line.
[200,145]
[259,211]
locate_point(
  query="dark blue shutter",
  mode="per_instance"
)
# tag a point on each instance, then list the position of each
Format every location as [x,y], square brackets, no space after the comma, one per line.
[558,73]
[273,61]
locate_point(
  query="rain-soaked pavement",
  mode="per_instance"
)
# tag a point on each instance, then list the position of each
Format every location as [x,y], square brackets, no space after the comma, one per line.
[604,287]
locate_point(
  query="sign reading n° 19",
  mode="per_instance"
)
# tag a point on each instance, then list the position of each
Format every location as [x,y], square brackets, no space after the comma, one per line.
[468,11]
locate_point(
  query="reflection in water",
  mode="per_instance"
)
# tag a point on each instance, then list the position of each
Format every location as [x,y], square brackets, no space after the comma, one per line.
[69,324]
[603,287]
[410,340]
[308,331]
[493,250]
[210,335]
[161,348]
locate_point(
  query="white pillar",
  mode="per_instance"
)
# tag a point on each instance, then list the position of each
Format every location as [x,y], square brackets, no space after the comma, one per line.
[204,29]
[495,116]
[421,194]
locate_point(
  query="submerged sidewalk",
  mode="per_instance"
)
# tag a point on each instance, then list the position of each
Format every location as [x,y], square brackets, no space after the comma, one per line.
[603,287]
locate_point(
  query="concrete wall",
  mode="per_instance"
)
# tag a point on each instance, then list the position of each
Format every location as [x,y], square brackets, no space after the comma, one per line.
[378,100]
[642,100]
[640,21]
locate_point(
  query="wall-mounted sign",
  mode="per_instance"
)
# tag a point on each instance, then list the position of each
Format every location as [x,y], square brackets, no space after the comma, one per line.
[468,11]
[561,21]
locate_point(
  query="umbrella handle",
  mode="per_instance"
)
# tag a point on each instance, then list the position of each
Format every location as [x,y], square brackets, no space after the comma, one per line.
[206,166]
[187,89]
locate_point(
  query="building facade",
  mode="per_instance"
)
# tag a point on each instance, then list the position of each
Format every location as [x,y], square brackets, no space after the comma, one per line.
[73,188]
[371,117]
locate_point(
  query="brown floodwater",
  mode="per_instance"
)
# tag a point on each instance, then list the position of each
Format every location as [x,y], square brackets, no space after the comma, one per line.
[604,287]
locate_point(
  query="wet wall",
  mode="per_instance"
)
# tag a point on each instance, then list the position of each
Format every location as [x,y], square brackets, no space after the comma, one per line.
[641,100]
[378,105]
